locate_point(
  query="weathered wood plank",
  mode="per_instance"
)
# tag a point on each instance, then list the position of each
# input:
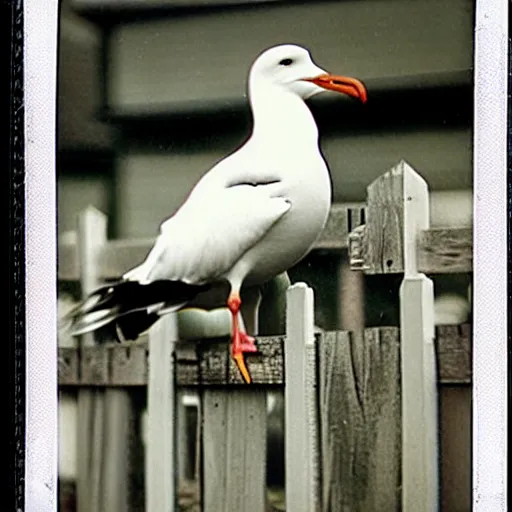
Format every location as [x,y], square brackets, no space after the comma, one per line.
[443,251]
[440,251]
[377,246]
[454,354]
[360,420]
[209,363]
[161,474]
[453,346]
[384,223]
[129,364]
[420,472]
[301,408]
[68,363]
[241,429]
[234,451]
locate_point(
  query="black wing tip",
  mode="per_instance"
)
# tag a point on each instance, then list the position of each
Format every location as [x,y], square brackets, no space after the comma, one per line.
[122,305]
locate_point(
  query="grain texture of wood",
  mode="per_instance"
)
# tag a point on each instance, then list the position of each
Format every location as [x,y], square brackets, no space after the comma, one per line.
[384,222]
[234,441]
[440,251]
[360,420]
[209,363]
[376,246]
[453,346]
[161,460]
[420,472]
[234,450]
[301,407]
[443,251]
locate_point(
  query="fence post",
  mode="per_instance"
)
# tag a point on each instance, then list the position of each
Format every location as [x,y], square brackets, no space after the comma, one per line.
[104,416]
[301,411]
[92,234]
[234,442]
[161,460]
[418,364]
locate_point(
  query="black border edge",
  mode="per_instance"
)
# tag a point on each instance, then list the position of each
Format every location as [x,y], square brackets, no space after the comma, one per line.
[509,243]
[13,19]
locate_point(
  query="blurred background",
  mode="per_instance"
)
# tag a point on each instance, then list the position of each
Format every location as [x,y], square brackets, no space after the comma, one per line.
[152,93]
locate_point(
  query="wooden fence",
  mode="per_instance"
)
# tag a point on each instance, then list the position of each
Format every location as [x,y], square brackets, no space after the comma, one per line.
[374,418]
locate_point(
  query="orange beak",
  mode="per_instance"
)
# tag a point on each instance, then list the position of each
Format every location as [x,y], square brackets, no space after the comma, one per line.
[344,84]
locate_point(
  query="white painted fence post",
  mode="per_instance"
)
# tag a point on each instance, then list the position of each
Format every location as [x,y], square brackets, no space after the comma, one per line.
[92,235]
[161,460]
[104,416]
[301,412]
[420,479]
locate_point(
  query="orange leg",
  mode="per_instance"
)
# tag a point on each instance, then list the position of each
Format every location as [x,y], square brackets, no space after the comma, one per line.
[241,342]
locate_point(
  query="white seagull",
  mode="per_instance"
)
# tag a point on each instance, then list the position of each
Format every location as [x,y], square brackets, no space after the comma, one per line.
[254,215]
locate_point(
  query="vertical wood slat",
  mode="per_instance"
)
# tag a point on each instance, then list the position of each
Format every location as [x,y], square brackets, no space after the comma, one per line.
[360,420]
[301,416]
[105,418]
[420,479]
[161,460]
[234,450]
[92,234]
[119,419]
[234,446]
[455,447]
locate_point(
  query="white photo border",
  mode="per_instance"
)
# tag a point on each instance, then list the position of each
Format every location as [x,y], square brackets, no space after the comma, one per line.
[40,88]
[490,354]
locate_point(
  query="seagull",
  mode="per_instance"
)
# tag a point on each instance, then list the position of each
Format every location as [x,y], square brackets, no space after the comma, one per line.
[252,216]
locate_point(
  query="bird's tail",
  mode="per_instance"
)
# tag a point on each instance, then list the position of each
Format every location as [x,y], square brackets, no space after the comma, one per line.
[125,309]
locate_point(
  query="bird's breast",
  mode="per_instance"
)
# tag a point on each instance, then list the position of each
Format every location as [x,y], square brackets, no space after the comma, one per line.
[308,189]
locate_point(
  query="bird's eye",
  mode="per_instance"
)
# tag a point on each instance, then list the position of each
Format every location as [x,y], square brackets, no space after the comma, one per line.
[286,62]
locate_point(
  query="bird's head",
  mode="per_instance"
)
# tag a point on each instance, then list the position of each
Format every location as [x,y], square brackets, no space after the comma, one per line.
[291,67]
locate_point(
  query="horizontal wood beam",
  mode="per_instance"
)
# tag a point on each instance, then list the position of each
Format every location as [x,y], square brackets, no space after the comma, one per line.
[208,363]
[445,251]
[440,251]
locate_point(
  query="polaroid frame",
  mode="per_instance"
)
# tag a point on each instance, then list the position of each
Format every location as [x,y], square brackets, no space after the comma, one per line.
[490,350]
